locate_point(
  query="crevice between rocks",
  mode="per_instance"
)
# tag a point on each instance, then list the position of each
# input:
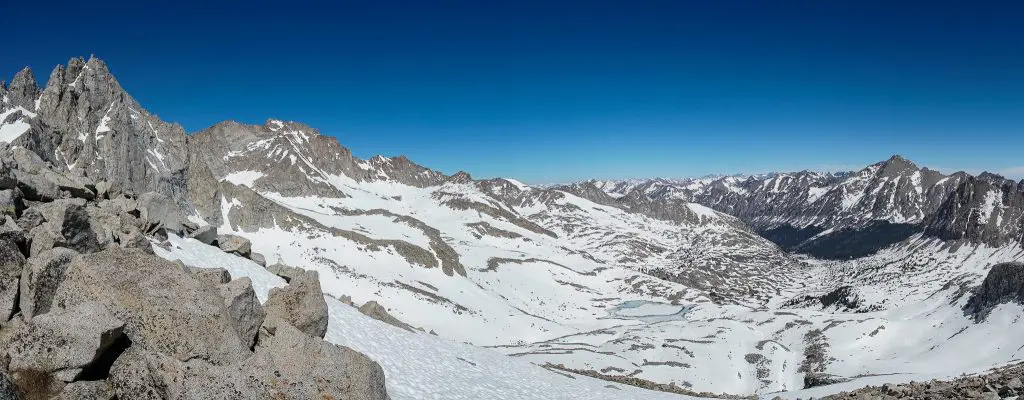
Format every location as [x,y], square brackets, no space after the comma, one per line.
[100,369]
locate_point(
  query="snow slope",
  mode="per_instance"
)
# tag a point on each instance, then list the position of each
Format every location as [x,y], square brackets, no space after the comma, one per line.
[546,276]
[418,365]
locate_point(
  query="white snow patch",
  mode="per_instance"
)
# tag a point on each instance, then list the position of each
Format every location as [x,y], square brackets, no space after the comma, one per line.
[244,178]
[423,366]
[702,211]
[815,193]
[197,254]
[989,203]
[276,125]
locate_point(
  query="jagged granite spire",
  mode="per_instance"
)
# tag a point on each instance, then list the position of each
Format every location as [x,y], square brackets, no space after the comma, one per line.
[24,90]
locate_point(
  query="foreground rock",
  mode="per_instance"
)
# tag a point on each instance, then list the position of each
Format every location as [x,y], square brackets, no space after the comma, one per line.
[287,364]
[164,307]
[40,279]
[93,390]
[11,261]
[998,384]
[245,309]
[301,303]
[63,343]
[67,224]
[341,371]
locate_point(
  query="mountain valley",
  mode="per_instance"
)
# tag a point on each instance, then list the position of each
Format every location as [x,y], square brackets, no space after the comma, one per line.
[794,285]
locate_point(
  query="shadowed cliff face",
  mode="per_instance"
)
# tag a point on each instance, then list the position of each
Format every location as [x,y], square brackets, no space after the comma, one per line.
[985,209]
[1004,283]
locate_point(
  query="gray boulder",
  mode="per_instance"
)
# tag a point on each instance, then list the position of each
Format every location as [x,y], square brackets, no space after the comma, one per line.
[102,189]
[213,276]
[301,303]
[78,187]
[36,187]
[258,259]
[55,210]
[11,202]
[120,205]
[64,342]
[287,364]
[245,309]
[163,307]
[284,271]
[147,375]
[376,311]
[134,239]
[75,229]
[27,160]
[40,278]
[235,244]
[66,223]
[10,229]
[43,239]
[158,211]
[319,368]
[11,262]
[30,218]
[206,234]
[86,390]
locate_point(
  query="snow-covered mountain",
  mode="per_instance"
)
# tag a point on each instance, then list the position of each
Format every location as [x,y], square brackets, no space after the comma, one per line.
[843,215]
[734,285]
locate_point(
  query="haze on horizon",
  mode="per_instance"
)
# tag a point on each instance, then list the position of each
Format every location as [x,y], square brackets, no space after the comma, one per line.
[554,91]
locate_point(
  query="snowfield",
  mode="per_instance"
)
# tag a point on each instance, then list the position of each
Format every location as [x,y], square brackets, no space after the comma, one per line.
[512,277]
[420,365]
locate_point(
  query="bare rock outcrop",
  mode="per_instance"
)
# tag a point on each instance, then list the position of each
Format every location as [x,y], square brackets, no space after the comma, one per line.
[301,303]
[165,308]
[64,342]
[235,244]
[40,278]
[246,312]
[11,262]
[1004,283]
[376,311]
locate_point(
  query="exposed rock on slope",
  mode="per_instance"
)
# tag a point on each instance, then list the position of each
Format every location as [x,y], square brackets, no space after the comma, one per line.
[1004,283]
[301,303]
[376,311]
[1002,383]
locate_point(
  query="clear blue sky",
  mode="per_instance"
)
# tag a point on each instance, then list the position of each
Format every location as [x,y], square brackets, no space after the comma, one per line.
[554,91]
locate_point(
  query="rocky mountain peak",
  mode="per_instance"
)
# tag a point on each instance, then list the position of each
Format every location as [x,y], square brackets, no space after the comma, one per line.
[896,165]
[460,177]
[991,177]
[24,90]
[296,129]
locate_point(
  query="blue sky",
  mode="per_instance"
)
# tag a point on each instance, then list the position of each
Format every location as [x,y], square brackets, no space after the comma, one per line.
[556,91]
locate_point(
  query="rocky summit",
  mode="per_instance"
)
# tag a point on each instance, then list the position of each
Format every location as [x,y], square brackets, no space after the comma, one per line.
[139,261]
